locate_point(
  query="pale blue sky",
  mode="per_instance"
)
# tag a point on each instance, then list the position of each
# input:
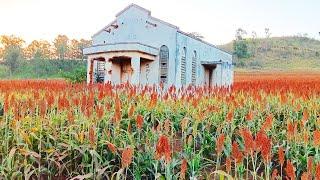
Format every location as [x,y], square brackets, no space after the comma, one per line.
[216,20]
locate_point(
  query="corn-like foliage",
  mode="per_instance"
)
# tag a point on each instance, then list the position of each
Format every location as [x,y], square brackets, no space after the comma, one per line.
[262,127]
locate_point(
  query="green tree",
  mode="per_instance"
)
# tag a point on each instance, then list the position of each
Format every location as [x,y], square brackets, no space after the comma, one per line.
[61,46]
[240,48]
[12,58]
[240,45]
[12,46]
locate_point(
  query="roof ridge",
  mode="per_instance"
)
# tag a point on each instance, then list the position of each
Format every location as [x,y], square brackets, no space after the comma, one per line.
[133,5]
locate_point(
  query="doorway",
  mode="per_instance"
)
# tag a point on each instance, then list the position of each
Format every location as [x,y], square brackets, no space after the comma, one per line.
[100,71]
[97,70]
[121,69]
[208,74]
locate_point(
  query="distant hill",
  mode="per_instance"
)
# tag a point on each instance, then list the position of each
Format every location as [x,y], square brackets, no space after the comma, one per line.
[279,53]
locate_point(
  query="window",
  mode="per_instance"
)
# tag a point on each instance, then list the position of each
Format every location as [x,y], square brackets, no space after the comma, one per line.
[194,68]
[164,60]
[183,66]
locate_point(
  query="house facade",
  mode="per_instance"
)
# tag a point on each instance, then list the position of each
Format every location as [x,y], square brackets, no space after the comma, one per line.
[141,49]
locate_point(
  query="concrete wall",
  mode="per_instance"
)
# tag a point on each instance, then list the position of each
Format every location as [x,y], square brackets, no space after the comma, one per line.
[137,25]
[146,73]
[205,52]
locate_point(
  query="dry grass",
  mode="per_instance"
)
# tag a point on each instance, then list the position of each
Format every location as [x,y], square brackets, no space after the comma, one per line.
[247,75]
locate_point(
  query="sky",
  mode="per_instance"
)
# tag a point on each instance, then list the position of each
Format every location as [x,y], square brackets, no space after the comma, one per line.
[216,20]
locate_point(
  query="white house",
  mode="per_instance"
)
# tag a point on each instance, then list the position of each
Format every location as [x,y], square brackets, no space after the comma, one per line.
[142,49]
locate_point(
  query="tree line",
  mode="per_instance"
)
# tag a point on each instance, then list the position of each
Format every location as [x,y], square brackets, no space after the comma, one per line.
[241,43]
[14,49]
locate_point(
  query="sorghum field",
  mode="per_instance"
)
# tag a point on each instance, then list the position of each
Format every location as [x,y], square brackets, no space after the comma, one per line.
[267,126]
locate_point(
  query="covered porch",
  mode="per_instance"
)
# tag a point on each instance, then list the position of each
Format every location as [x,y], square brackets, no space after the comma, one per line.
[212,72]
[119,63]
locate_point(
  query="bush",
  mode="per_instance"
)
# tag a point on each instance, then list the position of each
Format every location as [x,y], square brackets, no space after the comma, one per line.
[240,64]
[256,64]
[47,68]
[79,75]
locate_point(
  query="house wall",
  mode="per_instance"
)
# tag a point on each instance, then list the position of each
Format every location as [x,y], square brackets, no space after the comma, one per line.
[136,25]
[145,73]
[222,74]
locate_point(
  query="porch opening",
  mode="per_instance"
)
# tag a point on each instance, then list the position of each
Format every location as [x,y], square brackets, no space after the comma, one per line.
[97,70]
[122,69]
[208,74]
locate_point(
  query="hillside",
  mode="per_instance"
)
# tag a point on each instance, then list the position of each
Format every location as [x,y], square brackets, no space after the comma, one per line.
[287,53]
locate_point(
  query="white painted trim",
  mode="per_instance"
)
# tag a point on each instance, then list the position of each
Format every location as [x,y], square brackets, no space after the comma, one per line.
[119,47]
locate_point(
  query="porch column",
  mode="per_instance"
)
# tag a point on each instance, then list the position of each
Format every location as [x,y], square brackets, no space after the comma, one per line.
[108,69]
[217,75]
[89,70]
[135,64]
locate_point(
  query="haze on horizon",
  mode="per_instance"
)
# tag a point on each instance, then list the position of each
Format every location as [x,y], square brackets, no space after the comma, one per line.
[216,20]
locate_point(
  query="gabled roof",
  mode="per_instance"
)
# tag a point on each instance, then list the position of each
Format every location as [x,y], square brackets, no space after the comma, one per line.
[140,8]
[136,6]
[164,22]
[159,20]
[205,42]
[104,28]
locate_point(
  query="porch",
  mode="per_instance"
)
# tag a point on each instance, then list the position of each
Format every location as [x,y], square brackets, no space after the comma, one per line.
[212,72]
[119,63]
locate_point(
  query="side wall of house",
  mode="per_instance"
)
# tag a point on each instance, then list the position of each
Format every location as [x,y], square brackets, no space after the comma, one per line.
[223,73]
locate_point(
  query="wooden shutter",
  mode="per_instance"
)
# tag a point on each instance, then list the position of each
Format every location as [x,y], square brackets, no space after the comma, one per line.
[100,71]
[183,66]
[194,68]
[164,60]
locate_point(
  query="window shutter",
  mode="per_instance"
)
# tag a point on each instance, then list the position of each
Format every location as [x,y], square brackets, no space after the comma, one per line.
[183,67]
[194,68]
[100,70]
[164,60]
